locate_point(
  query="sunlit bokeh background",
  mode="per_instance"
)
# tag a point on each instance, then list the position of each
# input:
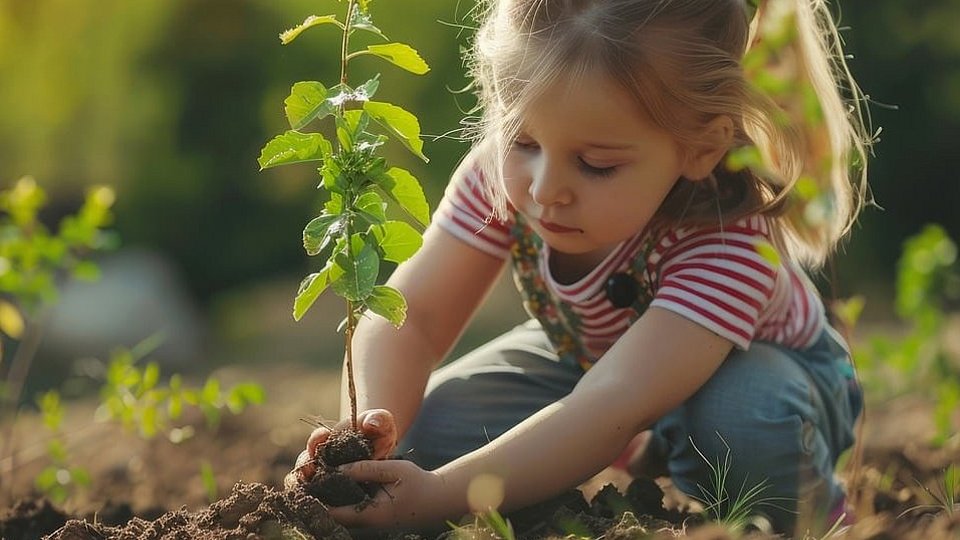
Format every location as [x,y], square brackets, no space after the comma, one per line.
[170,101]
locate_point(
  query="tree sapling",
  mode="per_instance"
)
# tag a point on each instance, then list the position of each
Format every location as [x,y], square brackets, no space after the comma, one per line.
[353,233]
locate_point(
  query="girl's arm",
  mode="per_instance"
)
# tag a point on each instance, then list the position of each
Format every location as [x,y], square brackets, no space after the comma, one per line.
[656,365]
[443,284]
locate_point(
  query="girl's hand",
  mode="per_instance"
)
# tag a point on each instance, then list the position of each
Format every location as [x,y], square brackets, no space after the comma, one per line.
[408,496]
[377,424]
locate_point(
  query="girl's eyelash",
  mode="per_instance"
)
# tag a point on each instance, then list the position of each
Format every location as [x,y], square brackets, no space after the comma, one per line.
[595,171]
[600,172]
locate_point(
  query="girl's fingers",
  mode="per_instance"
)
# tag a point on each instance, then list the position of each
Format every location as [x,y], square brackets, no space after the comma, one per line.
[316,440]
[377,471]
[380,427]
[304,468]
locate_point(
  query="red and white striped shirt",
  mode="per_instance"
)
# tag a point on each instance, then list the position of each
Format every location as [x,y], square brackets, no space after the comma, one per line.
[715,277]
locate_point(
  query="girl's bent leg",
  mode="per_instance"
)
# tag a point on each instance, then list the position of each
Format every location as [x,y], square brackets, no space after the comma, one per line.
[482,395]
[769,416]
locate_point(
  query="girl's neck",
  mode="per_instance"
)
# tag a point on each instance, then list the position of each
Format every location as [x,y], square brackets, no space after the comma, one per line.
[566,268]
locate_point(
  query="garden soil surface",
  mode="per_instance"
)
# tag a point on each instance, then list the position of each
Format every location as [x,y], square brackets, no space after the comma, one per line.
[155,490]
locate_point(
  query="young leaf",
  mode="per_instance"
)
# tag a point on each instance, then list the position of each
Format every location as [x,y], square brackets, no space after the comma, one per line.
[372,207]
[313,20]
[388,303]
[294,147]
[362,21]
[359,272]
[398,122]
[404,188]
[307,101]
[351,125]
[310,289]
[400,55]
[398,240]
[317,234]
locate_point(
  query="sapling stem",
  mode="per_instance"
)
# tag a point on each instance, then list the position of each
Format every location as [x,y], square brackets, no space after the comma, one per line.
[351,385]
[351,318]
[345,44]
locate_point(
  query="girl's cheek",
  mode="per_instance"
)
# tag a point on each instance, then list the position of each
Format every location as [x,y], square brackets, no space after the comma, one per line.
[515,183]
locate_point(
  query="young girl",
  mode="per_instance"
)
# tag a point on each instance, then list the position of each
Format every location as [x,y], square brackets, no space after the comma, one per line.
[663,279]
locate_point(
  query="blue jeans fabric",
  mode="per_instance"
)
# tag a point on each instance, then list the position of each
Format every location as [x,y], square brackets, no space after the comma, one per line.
[776,415]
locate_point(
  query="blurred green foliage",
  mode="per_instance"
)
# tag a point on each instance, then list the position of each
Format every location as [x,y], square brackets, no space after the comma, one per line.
[928,284]
[168,101]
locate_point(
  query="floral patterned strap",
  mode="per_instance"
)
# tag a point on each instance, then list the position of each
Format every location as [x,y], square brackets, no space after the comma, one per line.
[558,320]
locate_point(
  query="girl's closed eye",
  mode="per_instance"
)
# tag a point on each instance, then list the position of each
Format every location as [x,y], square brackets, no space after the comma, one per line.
[524,143]
[594,170]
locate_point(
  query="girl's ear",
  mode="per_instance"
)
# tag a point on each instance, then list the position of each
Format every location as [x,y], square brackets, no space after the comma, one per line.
[702,157]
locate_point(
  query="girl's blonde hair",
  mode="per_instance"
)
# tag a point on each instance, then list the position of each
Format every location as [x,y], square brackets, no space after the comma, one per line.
[684,62]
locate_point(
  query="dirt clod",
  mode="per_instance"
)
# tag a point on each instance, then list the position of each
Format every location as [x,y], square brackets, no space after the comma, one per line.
[251,512]
[29,519]
[329,485]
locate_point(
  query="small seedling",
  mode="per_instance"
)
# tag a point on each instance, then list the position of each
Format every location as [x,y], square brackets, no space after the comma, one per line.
[353,233]
[732,511]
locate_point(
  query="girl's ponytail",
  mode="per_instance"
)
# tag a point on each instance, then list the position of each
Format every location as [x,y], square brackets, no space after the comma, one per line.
[812,134]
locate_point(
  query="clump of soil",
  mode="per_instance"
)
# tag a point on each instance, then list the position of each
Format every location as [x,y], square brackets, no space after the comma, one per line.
[329,485]
[251,512]
[31,518]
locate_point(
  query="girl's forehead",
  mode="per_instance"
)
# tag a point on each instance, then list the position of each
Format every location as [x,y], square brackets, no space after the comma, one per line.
[595,112]
[587,97]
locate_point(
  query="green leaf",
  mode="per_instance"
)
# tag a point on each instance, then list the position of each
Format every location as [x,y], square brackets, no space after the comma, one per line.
[768,252]
[11,321]
[400,123]
[400,55]
[86,271]
[334,205]
[361,20]
[399,241]
[360,271]
[310,289]
[388,303]
[372,207]
[294,147]
[405,189]
[309,22]
[307,102]
[151,374]
[351,125]
[80,476]
[318,233]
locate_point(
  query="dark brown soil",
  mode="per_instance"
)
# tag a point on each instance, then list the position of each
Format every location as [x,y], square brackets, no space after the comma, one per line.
[251,512]
[330,486]
[259,447]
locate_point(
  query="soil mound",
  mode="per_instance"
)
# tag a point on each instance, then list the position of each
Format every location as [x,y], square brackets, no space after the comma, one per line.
[251,512]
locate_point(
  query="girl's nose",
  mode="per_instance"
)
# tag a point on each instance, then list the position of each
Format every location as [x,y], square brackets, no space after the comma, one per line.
[548,185]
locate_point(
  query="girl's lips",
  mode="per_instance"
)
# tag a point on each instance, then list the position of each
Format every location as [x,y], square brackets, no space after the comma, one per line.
[554,227]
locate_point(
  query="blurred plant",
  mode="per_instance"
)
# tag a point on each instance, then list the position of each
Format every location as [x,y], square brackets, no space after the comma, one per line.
[354,224]
[59,479]
[945,495]
[32,260]
[134,397]
[209,481]
[928,283]
[489,525]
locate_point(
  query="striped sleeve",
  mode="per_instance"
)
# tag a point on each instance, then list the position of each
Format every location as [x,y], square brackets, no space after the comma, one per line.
[718,279]
[466,213]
